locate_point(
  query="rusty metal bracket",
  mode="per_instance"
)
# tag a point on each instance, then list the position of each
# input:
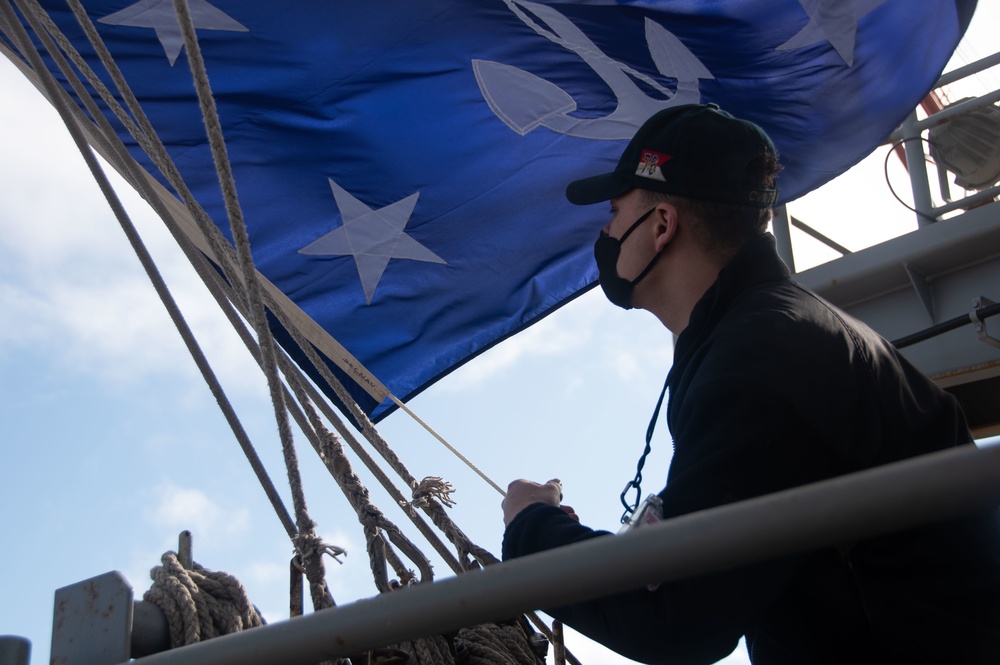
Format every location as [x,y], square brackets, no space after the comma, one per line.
[92,623]
[96,622]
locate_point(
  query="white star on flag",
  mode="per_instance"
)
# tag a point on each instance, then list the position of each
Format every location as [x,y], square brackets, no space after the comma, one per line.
[834,21]
[372,237]
[161,17]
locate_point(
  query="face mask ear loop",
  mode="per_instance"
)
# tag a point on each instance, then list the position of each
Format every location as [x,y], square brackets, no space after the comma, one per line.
[649,266]
[645,271]
[635,225]
[635,483]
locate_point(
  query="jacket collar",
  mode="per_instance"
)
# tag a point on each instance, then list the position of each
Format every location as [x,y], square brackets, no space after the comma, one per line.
[756,263]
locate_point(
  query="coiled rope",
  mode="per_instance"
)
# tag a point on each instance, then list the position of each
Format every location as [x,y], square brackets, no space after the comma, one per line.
[199,603]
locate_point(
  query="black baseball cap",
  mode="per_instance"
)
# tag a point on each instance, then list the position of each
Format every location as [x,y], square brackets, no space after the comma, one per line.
[695,150]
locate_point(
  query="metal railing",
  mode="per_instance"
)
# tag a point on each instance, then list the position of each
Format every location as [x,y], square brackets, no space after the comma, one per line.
[910,135]
[893,497]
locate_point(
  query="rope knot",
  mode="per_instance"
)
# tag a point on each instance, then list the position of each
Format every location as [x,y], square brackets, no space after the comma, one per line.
[429,488]
[309,545]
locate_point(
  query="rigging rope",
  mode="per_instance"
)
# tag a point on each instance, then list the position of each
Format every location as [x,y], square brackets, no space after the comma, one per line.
[428,494]
[315,570]
[148,139]
[57,96]
[145,135]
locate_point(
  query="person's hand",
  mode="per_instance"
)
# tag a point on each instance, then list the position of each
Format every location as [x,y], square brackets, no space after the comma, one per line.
[523,493]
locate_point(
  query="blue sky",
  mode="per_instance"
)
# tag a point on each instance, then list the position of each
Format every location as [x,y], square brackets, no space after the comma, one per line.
[112,443]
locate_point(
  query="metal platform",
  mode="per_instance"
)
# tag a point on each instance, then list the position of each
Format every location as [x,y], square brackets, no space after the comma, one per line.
[948,268]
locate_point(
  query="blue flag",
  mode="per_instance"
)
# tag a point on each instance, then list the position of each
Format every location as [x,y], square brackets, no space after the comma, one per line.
[401,165]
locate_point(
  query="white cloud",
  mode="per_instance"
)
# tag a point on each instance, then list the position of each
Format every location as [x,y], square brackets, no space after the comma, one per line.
[70,278]
[636,350]
[113,326]
[266,573]
[178,508]
[567,331]
[626,363]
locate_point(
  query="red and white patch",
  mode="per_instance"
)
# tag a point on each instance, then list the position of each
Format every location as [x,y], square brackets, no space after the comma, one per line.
[650,164]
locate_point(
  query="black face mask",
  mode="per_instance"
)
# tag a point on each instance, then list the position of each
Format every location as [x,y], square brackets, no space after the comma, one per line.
[606,252]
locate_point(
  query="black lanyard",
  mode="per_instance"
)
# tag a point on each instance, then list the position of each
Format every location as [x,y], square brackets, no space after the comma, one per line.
[635,483]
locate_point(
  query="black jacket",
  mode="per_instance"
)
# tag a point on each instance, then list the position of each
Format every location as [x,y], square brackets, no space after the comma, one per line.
[772,388]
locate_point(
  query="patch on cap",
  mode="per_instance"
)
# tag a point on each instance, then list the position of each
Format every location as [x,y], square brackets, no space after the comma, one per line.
[650,163]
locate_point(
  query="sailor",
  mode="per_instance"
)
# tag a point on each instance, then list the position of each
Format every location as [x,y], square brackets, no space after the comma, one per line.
[771,388]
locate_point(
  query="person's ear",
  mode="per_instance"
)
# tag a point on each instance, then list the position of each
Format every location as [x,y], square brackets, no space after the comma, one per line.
[664,224]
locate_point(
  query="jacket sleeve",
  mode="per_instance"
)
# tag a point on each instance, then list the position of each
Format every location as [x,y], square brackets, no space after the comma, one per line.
[687,622]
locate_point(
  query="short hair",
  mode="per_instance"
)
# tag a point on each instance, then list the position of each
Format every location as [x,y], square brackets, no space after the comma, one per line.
[722,229]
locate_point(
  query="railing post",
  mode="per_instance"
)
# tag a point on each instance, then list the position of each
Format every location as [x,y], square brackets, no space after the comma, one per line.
[914,146]
[14,650]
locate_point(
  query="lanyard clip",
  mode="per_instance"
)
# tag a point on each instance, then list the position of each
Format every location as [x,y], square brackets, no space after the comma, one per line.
[631,507]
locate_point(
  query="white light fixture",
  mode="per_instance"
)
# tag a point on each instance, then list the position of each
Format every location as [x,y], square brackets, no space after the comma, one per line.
[968,145]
